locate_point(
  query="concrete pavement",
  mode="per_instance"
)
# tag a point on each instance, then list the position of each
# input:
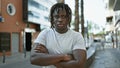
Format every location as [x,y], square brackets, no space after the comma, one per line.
[13,58]
[19,64]
[18,60]
[106,57]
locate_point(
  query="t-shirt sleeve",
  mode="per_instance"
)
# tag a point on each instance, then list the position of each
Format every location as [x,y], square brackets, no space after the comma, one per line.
[41,37]
[79,42]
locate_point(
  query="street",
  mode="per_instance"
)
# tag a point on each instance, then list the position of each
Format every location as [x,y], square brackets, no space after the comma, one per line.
[108,58]
[17,61]
[19,64]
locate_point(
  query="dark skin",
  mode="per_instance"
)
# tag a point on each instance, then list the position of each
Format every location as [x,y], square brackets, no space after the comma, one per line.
[60,21]
[46,58]
[40,55]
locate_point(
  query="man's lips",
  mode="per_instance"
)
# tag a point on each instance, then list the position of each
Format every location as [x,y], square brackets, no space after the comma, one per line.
[60,25]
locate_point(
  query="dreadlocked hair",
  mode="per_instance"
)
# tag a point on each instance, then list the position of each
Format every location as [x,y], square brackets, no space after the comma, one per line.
[57,6]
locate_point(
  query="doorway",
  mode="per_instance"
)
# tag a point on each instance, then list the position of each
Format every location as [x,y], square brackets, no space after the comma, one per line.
[15,43]
[28,39]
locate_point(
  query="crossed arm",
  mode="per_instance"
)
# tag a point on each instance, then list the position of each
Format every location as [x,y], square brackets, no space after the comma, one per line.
[40,56]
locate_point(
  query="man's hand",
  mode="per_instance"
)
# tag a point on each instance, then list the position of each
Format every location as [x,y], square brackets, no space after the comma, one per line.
[41,49]
[68,57]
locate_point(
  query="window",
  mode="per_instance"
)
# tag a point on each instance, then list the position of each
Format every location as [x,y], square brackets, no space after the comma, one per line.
[11,9]
[4,41]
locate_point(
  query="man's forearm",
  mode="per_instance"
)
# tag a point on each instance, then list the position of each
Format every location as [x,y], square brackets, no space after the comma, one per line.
[41,56]
[78,61]
[46,59]
[69,64]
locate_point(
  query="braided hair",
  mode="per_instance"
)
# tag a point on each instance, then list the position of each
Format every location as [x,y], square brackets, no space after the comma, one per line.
[57,7]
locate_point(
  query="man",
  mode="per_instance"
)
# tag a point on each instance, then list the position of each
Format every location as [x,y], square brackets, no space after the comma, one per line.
[59,46]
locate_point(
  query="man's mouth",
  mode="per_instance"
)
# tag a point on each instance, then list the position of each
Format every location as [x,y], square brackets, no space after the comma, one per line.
[60,25]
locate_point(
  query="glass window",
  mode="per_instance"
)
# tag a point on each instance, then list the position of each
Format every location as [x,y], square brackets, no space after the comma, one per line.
[4,41]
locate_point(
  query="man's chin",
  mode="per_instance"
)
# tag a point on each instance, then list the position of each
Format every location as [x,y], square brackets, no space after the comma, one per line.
[61,28]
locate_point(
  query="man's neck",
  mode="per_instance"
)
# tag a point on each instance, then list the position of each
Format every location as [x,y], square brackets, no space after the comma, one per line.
[61,31]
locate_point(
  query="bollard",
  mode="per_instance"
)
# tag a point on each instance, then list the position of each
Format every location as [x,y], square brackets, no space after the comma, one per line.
[24,53]
[4,56]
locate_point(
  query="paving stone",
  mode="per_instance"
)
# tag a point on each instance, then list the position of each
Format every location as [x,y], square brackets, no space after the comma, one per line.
[107,58]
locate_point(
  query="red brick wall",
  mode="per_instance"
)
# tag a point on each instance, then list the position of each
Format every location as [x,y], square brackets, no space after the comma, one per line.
[13,23]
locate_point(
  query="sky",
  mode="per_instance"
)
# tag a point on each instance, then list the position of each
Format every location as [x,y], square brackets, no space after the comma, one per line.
[94,10]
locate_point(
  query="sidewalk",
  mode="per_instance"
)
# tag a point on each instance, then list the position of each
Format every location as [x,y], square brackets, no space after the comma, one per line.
[15,58]
[106,58]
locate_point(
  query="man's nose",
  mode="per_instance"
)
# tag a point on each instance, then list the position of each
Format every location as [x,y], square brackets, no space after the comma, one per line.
[60,19]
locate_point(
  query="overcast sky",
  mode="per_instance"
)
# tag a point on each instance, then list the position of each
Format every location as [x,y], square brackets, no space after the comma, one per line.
[94,10]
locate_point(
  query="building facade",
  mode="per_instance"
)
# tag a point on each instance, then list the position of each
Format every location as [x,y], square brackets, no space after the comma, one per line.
[17,32]
[113,19]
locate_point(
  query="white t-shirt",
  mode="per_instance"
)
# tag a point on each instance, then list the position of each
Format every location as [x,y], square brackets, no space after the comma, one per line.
[57,43]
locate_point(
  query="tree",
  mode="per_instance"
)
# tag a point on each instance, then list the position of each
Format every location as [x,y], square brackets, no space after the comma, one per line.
[82,17]
[76,15]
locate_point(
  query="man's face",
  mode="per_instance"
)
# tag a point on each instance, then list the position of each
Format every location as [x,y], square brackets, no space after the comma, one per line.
[60,20]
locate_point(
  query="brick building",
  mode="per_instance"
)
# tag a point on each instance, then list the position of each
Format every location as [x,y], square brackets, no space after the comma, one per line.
[15,33]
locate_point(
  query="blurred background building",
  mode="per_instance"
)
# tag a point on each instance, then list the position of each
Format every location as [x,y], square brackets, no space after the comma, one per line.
[20,23]
[112,30]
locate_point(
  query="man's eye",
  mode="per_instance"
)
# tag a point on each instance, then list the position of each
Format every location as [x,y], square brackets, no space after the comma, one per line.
[56,17]
[63,16]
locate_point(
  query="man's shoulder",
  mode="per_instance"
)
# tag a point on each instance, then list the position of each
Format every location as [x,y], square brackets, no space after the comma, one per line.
[46,29]
[74,32]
